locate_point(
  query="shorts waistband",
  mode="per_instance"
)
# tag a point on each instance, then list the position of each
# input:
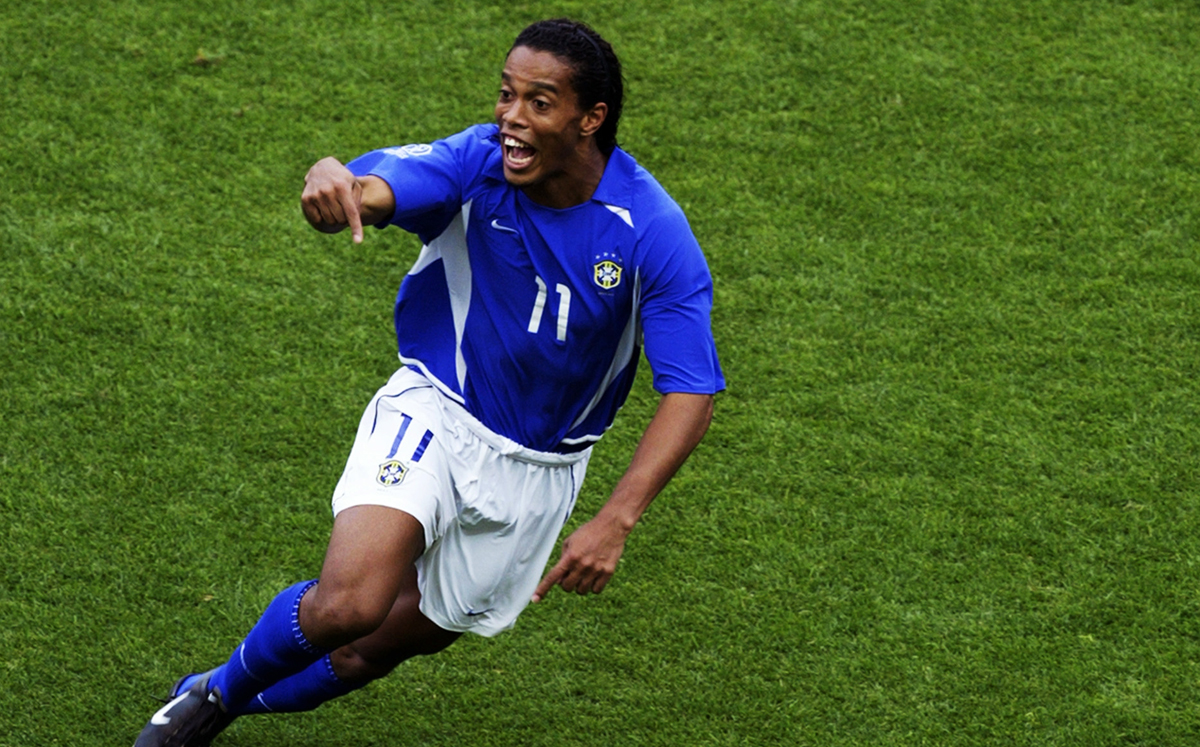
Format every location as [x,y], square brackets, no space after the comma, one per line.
[507,446]
[569,453]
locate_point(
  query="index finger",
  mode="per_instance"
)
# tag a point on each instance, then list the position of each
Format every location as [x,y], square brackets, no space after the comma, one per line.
[548,582]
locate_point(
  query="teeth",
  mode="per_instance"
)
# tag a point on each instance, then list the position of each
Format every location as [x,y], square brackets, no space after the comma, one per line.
[512,142]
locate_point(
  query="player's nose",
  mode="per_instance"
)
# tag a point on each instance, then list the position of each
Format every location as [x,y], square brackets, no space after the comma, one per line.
[511,113]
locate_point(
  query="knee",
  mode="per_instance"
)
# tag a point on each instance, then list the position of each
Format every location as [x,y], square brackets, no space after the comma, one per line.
[331,617]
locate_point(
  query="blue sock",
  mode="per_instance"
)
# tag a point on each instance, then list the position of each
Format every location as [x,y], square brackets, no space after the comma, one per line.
[300,692]
[274,649]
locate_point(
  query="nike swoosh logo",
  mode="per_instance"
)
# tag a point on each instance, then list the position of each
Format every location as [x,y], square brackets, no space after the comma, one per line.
[161,718]
[473,613]
[496,225]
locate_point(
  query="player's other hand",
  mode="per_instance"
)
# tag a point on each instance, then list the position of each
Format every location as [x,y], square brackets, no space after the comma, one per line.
[332,198]
[589,559]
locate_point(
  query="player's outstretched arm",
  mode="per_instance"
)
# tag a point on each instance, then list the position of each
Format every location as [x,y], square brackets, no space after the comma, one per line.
[589,556]
[334,198]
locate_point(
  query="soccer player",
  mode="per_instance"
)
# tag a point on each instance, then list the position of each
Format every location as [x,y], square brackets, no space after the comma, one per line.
[550,258]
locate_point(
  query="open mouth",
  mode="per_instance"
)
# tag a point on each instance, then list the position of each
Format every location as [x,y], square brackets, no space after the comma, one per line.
[516,153]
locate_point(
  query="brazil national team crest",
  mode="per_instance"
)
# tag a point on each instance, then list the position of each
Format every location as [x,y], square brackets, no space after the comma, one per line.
[391,473]
[607,270]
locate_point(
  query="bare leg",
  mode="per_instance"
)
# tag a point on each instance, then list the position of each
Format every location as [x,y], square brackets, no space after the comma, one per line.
[404,634]
[367,564]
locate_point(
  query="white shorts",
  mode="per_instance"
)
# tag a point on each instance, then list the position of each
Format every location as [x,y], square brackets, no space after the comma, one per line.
[491,508]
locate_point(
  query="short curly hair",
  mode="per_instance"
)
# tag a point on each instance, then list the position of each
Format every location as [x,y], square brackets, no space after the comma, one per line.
[596,70]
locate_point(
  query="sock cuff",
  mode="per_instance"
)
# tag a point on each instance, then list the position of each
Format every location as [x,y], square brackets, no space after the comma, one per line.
[333,675]
[298,634]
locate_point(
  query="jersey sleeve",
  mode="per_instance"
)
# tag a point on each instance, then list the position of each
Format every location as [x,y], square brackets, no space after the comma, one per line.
[676,308]
[427,180]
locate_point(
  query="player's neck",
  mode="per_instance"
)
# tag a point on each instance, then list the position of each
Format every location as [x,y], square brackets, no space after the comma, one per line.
[575,184]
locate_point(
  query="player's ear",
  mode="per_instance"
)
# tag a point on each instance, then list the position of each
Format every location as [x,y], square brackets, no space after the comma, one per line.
[592,119]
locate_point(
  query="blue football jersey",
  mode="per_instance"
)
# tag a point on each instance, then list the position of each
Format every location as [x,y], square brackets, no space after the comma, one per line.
[530,317]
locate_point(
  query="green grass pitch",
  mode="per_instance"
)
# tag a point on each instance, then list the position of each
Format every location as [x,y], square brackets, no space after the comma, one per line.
[950,497]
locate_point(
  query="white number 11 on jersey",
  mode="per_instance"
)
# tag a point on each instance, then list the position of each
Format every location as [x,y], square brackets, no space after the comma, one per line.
[564,308]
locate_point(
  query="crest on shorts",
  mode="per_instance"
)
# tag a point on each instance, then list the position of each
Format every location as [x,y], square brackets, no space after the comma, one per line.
[607,271]
[391,473]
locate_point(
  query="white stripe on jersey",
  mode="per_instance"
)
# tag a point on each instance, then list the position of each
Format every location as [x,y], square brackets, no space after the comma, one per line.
[451,248]
[621,358]
[458,275]
[621,212]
